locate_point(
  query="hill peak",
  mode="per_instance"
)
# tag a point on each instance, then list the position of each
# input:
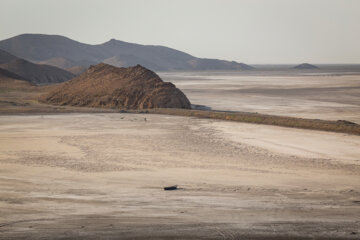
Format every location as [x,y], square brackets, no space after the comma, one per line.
[40,37]
[99,67]
[306,66]
[107,67]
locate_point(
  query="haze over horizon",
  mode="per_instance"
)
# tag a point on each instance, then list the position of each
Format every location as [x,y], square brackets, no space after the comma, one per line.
[253,32]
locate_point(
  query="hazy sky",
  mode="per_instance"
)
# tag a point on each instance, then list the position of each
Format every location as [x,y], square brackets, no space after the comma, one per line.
[250,31]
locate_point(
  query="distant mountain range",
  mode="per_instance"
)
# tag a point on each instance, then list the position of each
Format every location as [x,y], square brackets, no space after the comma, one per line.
[68,54]
[46,59]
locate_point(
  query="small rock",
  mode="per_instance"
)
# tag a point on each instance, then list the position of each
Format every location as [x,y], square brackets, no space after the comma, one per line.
[169,188]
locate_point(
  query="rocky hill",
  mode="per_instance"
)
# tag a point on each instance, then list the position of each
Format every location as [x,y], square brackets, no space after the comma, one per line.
[107,86]
[305,66]
[35,73]
[63,52]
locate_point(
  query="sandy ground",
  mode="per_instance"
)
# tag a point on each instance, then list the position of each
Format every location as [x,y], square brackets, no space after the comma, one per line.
[100,176]
[329,96]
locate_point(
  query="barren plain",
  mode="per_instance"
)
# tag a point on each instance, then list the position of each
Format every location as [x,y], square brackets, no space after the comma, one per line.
[101,175]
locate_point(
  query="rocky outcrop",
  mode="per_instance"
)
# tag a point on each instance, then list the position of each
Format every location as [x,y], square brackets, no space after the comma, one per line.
[107,86]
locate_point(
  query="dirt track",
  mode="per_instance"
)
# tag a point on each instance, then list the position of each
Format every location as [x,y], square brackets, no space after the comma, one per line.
[87,176]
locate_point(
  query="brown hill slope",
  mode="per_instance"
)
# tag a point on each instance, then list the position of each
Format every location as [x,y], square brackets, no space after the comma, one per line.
[107,86]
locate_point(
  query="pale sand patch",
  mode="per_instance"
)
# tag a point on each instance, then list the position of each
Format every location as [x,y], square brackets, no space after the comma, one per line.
[302,143]
[101,176]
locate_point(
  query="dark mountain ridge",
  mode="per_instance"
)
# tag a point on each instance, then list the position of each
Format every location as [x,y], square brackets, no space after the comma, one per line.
[7,74]
[46,48]
[35,73]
